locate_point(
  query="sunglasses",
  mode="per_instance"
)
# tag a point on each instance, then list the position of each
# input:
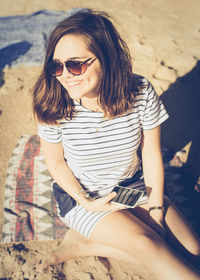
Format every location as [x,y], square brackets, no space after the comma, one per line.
[76,68]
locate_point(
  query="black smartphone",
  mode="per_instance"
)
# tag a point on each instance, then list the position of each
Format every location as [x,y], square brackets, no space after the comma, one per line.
[127,196]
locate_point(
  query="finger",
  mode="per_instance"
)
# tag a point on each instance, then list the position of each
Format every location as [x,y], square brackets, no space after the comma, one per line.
[107,198]
[117,206]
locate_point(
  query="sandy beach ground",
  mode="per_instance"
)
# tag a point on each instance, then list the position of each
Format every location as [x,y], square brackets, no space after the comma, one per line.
[164,38]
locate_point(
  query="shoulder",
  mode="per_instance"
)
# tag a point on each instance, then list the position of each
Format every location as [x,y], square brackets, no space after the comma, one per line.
[50,133]
[143,83]
[144,89]
[146,92]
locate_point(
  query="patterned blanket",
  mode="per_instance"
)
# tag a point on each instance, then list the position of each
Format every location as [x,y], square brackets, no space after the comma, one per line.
[29,208]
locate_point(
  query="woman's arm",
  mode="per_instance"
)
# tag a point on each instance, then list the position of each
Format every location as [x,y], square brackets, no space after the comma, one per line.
[153,169]
[62,174]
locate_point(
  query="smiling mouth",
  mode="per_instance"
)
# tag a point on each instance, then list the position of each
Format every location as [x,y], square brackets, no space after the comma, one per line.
[71,84]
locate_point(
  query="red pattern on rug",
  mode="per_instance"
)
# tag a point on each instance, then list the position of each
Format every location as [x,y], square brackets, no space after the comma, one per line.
[30,208]
[24,190]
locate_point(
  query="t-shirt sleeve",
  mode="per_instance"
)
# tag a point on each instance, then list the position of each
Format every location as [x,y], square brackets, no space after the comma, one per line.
[50,133]
[154,111]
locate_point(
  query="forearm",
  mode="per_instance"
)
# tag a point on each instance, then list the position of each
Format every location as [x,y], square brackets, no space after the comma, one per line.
[153,166]
[65,178]
[154,179]
[63,175]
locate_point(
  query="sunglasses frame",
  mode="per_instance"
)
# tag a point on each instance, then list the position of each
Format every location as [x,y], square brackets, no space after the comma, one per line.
[65,64]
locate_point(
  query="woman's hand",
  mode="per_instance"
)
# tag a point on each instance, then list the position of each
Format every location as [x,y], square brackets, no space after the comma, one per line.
[102,204]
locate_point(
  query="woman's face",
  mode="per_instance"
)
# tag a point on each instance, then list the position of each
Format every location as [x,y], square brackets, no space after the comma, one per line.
[74,47]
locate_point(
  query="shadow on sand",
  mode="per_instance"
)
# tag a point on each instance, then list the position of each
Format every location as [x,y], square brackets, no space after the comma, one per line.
[12,53]
[182,101]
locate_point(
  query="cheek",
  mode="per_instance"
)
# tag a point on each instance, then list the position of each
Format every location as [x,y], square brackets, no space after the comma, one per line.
[96,74]
[98,77]
[99,73]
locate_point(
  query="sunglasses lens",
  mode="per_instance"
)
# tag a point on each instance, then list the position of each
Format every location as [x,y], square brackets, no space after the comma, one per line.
[74,67]
[55,68]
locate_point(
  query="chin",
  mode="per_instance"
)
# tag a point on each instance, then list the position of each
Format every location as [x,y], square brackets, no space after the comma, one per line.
[76,95]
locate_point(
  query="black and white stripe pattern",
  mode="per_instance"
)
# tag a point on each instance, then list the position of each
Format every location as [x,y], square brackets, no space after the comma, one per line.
[102,152]
[83,221]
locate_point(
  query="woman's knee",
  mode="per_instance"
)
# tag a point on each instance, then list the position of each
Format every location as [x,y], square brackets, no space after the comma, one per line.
[195,248]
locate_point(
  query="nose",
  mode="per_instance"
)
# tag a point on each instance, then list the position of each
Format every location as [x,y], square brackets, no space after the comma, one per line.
[66,73]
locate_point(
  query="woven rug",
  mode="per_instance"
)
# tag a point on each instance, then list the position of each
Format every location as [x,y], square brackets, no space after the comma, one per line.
[29,208]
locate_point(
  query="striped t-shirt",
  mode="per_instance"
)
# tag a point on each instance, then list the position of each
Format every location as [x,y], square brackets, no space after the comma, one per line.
[102,152]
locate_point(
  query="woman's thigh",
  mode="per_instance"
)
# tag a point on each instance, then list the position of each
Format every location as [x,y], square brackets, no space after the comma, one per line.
[124,231]
[178,229]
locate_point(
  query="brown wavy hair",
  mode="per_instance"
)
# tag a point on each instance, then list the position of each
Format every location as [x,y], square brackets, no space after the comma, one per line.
[117,88]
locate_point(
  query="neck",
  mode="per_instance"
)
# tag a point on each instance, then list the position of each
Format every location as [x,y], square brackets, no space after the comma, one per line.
[91,104]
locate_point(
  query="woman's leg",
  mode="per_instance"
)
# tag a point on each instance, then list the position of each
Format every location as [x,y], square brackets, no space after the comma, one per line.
[179,232]
[125,232]
[75,245]
[178,229]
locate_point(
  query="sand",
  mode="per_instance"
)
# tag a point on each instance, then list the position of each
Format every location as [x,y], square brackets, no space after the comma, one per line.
[163,36]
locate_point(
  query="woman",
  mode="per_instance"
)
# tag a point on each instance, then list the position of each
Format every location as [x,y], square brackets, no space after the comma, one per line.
[94,116]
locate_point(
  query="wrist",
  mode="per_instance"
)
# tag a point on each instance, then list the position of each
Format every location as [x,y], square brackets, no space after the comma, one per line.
[156,208]
[157,213]
[82,196]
